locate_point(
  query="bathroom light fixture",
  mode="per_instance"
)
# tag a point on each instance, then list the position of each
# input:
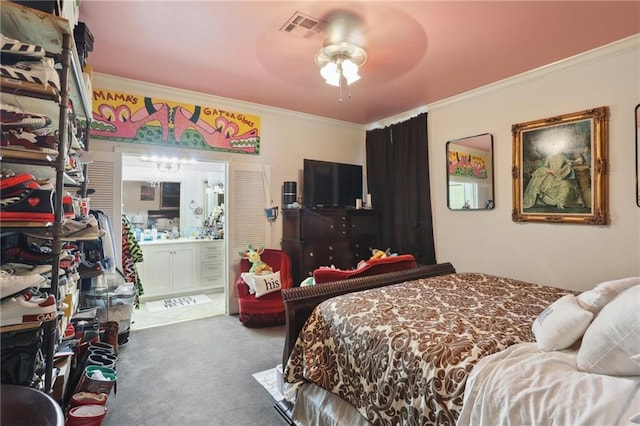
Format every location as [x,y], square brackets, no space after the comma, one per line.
[339,64]
[167,164]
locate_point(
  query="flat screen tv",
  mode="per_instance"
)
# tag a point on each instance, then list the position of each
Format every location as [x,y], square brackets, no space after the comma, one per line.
[329,184]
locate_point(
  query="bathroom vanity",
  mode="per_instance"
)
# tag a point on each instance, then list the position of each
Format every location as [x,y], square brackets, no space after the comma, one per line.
[181,266]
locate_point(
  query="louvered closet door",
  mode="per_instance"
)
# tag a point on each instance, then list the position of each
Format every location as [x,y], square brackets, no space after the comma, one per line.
[105,176]
[247,223]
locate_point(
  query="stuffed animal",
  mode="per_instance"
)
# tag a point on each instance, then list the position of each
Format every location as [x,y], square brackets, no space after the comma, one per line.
[375,254]
[258,267]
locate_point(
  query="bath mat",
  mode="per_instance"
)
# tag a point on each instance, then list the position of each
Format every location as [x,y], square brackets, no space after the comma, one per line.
[177,302]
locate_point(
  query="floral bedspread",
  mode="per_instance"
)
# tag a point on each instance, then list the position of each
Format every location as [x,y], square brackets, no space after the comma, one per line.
[401,354]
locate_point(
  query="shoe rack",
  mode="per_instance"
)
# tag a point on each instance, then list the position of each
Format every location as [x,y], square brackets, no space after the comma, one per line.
[55,35]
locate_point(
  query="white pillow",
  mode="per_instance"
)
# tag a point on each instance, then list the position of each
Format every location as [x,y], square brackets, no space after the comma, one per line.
[594,300]
[611,344]
[248,278]
[561,324]
[266,284]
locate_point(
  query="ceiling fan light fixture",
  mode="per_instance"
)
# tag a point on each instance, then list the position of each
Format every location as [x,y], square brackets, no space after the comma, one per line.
[331,74]
[350,71]
[339,63]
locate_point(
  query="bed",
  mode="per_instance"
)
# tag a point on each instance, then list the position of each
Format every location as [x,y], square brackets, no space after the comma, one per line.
[399,348]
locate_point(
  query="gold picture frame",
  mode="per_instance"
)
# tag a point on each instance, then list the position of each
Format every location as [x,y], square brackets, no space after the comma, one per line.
[560,169]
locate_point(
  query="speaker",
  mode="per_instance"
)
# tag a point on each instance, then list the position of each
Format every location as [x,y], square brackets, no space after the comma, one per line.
[289,191]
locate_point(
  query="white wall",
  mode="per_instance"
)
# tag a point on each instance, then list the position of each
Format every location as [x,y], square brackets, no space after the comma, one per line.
[562,255]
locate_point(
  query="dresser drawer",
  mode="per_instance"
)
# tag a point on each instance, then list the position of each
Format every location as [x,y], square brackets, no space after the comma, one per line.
[211,270]
[211,257]
[323,225]
[212,248]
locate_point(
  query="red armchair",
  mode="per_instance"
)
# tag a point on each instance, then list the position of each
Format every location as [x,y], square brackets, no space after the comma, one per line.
[267,310]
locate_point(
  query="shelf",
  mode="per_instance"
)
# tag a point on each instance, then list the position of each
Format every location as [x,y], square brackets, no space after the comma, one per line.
[23,326]
[19,87]
[43,29]
[30,225]
[32,157]
[40,170]
[55,35]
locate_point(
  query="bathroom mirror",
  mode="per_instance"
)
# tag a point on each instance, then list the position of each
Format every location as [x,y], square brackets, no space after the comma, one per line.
[152,204]
[214,199]
[213,223]
[638,155]
[470,173]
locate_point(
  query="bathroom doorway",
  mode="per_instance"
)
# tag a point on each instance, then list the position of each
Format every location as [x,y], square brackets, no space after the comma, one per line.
[176,209]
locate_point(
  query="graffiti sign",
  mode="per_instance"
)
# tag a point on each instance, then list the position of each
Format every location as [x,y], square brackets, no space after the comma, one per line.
[143,120]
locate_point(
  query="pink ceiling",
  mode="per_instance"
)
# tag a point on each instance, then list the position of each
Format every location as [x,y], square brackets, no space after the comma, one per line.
[419,52]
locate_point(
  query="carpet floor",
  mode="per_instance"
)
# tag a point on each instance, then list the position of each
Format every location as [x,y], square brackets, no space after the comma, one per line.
[195,373]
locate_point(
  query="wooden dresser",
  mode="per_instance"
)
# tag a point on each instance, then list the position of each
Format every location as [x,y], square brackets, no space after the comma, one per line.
[327,236]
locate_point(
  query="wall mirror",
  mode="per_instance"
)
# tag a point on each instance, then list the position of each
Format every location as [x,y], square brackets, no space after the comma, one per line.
[638,155]
[470,173]
[152,204]
[213,207]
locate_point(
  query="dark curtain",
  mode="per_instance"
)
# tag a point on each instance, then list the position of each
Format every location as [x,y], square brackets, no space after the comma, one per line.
[398,181]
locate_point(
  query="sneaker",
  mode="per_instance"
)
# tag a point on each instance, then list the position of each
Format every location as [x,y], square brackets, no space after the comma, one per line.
[11,284]
[63,288]
[89,270]
[30,253]
[33,205]
[24,140]
[73,230]
[67,206]
[9,46]
[27,308]
[12,186]
[40,72]
[14,118]
[26,268]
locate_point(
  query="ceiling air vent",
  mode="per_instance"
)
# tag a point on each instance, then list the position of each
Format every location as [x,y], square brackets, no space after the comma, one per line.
[301,25]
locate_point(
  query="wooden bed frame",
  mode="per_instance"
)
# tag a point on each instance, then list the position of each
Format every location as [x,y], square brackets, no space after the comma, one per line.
[299,302]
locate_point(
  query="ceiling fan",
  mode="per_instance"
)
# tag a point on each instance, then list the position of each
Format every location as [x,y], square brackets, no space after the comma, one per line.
[342,55]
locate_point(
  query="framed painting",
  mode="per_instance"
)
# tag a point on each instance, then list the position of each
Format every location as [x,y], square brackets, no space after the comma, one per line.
[560,169]
[638,154]
[147,193]
[169,195]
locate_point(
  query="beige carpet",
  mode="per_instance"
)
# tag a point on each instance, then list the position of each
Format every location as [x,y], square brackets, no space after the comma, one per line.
[196,373]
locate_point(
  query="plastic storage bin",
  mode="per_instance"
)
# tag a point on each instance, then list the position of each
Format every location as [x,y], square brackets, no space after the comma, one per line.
[113,299]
